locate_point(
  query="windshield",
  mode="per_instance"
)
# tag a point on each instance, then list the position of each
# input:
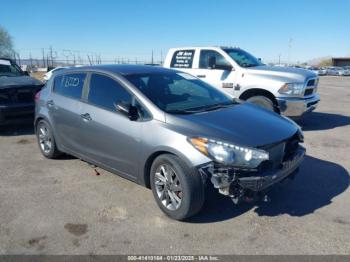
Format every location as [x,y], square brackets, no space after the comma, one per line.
[242,58]
[179,93]
[8,69]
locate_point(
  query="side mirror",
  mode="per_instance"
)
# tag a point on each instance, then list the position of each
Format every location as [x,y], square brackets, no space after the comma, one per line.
[128,110]
[26,73]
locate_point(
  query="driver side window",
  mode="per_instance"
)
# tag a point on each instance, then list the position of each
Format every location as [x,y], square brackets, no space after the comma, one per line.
[105,91]
[204,58]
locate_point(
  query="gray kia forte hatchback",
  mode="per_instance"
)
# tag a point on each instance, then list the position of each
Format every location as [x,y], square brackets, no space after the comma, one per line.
[168,131]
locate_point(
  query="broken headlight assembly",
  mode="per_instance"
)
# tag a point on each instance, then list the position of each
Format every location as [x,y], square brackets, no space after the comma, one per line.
[229,154]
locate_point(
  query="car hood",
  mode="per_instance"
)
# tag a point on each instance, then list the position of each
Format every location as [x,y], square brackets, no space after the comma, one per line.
[290,74]
[12,81]
[244,124]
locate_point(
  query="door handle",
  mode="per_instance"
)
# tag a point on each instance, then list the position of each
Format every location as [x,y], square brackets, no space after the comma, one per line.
[50,103]
[86,117]
[201,76]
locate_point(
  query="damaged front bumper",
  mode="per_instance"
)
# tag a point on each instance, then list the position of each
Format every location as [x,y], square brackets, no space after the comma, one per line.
[242,184]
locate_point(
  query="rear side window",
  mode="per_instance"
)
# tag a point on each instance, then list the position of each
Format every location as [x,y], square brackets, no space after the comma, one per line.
[105,92]
[182,59]
[70,85]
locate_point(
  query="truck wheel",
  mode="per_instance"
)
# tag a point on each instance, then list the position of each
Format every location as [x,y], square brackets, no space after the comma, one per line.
[178,190]
[262,101]
[46,140]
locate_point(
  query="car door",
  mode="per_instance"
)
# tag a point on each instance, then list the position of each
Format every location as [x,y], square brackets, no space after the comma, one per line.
[220,78]
[64,106]
[109,137]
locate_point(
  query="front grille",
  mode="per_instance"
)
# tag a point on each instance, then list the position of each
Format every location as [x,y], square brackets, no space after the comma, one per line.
[311,82]
[312,103]
[279,153]
[290,148]
[4,97]
[309,91]
[23,94]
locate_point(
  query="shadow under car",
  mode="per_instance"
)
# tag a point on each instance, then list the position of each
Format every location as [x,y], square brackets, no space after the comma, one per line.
[322,121]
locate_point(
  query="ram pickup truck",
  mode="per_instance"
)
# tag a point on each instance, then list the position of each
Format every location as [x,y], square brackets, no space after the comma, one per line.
[285,90]
[17,91]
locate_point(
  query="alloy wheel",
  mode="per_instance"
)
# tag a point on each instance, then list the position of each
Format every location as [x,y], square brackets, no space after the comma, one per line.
[168,187]
[45,139]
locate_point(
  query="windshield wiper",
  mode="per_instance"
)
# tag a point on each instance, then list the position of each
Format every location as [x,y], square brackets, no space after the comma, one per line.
[217,106]
[201,109]
[181,112]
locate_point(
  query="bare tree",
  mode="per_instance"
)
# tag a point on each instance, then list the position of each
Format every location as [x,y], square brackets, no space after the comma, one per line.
[6,44]
[325,62]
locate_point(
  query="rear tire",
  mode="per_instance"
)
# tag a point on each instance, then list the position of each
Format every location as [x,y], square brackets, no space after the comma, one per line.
[46,140]
[177,189]
[262,101]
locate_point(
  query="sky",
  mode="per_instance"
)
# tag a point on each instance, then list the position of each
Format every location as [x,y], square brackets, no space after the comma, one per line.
[129,29]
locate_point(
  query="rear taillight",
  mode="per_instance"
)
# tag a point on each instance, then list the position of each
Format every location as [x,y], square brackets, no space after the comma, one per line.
[37,96]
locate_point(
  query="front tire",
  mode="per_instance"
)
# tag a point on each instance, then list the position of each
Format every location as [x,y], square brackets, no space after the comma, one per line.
[46,140]
[177,189]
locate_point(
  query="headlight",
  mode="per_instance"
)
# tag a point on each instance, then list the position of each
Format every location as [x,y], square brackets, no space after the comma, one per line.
[292,89]
[229,154]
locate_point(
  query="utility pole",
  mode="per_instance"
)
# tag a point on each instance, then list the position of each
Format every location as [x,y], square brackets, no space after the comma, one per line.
[19,59]
[89,59]
[31,60]
[43,53]
[51,58]
[289,50]
[279,59]
[152,58]
[66,54]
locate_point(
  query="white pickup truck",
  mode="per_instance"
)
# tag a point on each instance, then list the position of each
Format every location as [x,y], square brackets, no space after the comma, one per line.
[289,91]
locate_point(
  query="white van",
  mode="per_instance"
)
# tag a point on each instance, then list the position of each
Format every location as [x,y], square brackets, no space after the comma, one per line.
[286,90]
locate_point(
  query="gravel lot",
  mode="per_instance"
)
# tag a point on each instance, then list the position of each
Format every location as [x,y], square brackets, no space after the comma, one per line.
[62,207]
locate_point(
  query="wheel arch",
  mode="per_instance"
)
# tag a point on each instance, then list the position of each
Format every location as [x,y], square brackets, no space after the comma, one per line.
[45,118]
[145,175]
[261,92]
[37,119]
